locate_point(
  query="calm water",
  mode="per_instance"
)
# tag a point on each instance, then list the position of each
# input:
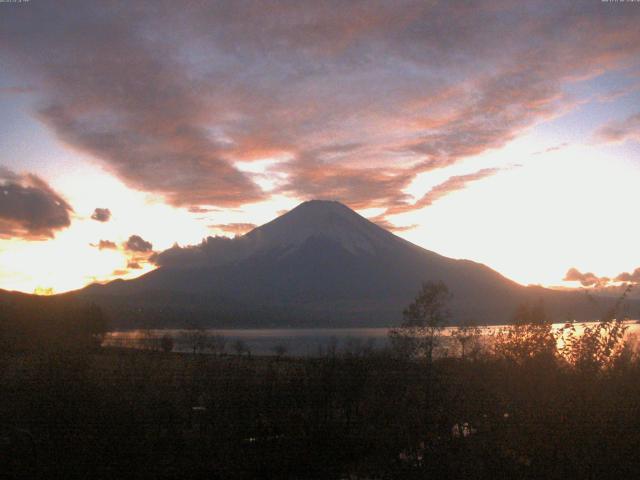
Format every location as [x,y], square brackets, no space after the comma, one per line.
[296,342]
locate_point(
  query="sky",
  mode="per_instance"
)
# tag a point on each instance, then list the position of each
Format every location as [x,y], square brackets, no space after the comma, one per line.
[505,132]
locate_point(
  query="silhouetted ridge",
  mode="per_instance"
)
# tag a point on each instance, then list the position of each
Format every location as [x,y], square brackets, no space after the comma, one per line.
[320,264]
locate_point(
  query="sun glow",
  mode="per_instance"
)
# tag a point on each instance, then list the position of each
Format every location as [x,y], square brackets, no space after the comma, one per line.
[531,223]
[72,258]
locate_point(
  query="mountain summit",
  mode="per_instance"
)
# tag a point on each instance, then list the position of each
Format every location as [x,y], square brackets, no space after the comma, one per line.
[322,218]
[320,264]
[311,221]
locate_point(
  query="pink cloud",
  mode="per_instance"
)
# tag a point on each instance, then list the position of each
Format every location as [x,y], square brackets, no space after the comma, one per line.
[619,131]
[359,97]
[235,228]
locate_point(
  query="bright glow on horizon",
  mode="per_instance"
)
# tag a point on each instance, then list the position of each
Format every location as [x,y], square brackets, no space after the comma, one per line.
[534,222]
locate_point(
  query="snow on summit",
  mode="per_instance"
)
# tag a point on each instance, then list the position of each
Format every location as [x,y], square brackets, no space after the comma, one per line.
[321,218]
[315,219]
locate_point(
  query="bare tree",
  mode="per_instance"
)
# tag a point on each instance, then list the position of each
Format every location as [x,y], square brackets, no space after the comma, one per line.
[423,321]
[468,338]
[280,350]
[166,343]
[197,339]
[217,344]
[240,347]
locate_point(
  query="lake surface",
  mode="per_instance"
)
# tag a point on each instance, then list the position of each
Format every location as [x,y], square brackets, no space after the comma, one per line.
[294,341]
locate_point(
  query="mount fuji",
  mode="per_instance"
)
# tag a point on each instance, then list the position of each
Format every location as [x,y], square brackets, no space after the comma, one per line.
[319,265]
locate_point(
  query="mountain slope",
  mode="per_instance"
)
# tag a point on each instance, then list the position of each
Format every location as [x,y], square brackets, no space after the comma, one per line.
[321,264]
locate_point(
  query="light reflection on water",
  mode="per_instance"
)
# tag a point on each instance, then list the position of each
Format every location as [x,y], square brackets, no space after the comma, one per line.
[297,342]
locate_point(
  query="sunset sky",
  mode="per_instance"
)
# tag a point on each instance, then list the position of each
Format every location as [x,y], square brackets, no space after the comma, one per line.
[505,132]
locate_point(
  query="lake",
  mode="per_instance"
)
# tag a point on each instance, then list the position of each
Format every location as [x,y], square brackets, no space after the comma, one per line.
[295,341]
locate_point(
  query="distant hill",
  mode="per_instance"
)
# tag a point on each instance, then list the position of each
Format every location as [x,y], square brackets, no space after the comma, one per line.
[32,322]
[321,264]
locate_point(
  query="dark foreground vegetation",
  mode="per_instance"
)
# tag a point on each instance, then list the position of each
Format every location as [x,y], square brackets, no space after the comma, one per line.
[524,406]
[112,414]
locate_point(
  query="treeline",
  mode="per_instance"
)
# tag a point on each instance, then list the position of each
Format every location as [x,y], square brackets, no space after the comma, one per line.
[29,323]
[361,414]
[531,335]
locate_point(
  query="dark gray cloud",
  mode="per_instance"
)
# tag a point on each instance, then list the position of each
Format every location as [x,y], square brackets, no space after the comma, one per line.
[29,208]
[101,214]
[135,243]
[170,96]
[211,251]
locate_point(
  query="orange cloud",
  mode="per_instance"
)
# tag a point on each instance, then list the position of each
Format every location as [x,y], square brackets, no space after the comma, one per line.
[105,245]
[629,277]
[235,228]
[586,279]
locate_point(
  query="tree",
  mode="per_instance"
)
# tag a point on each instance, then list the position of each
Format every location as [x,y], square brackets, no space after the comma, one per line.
[148,340]
[166,343]
[469,339]
[423,321]
[280,350]
[240,347]
[529,336]
[598,346]
[95,325]
[217,344]
[197,338]
[7,340]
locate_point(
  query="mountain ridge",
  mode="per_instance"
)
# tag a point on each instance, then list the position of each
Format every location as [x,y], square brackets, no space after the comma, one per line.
[320,264]
[312,218]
